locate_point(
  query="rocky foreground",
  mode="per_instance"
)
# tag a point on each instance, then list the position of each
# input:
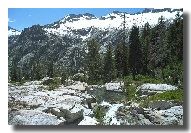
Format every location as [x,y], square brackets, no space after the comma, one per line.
[33,104]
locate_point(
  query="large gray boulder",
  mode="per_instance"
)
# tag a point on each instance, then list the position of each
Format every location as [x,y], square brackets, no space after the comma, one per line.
[151,89]
[33,117]
[160,105]
[115,86]
[71,118]
[171,116]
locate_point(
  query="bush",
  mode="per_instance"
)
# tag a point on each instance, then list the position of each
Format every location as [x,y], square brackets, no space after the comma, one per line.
[52,83]
[99,113]
[130,91]
[131,85]
[80,77]
[176,95]
[173,74]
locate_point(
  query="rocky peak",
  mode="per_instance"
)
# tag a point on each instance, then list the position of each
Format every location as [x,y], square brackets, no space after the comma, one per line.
[13,32]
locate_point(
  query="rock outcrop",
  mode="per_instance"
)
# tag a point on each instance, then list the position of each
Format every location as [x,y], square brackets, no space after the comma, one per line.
[32,104]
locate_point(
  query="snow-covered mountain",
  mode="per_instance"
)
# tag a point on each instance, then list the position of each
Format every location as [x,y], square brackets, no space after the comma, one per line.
[65,41]
[13,32]
[84,24]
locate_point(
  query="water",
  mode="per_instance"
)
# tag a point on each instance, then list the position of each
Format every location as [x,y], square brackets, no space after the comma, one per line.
[101,94]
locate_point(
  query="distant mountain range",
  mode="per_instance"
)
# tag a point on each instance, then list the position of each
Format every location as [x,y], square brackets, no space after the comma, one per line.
[65,40]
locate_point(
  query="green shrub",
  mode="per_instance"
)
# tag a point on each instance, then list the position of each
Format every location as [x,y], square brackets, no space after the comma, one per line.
[173,74]
[19,83]
[99,113]
[130,91]
[131,85]
[80,77]
[52,83]
[174,95]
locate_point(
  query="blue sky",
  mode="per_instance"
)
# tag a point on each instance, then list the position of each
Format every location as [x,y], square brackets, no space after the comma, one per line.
[20,18]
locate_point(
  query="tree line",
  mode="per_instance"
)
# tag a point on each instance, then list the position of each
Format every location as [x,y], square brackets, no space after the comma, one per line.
[155,51]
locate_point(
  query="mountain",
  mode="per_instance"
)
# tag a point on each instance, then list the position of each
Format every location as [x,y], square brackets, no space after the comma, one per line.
[82,25]
[13,35]
[13,32]
[64,42]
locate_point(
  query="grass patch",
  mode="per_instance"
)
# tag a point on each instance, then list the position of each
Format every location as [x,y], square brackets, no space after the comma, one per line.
[146,79]
[131,85]
[174,95]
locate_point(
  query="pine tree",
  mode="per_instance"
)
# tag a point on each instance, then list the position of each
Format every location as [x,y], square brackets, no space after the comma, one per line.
[135,54]
[13,72]
[109,67]
[121,54]
[50,69]
[161,43]
[175,39]
[37,70]
[63,77]
[93,62]
[158,48]
[121,60]
[175,51]
[145,39]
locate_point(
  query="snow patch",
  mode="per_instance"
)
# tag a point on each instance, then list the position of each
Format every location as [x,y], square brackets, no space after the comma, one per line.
[13,32]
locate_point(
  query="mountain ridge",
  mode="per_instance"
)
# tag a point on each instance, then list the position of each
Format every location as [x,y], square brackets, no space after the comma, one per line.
[66,43]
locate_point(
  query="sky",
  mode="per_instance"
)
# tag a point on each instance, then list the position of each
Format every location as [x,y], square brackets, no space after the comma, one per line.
[20,18]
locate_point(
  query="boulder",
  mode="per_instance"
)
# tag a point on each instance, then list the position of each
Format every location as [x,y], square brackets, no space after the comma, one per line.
[160,105]
[90,101]
[114,86]
[33,117]
[77,85]
[171,116]
[88,121]
[143,121]
[71,118]
[139,110]
[151,89]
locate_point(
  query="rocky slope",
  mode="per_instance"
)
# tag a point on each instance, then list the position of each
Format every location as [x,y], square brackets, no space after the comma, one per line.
[33,104]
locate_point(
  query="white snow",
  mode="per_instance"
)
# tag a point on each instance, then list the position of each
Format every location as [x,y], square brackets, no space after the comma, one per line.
[114,86]
[13,32]
[110,23]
